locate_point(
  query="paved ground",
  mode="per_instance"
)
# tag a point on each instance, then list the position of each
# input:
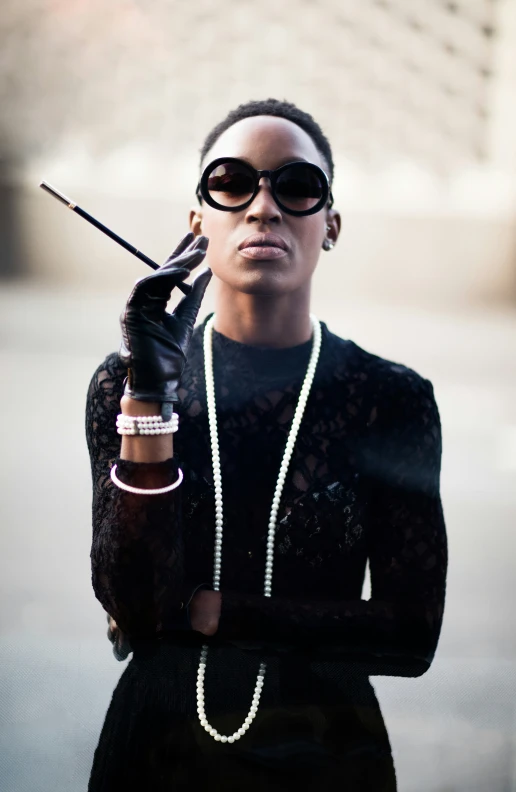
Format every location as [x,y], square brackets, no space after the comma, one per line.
[452,730]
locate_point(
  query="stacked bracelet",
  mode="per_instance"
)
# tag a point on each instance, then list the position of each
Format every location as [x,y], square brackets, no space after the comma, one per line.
[146,424]
[139,490]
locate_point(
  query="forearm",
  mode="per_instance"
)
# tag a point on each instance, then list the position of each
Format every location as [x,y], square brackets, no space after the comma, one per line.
[144,448]
[392,638]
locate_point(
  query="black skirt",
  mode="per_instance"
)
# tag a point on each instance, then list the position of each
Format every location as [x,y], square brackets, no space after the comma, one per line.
[316,725]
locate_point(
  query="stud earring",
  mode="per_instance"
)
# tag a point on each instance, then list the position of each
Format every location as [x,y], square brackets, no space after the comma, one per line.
[328,244]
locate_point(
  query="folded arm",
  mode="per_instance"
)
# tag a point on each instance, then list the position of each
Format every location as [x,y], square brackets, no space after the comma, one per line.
[395,632]
[137,567]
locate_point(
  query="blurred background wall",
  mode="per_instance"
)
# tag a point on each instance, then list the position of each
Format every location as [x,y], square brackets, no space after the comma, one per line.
[111,101]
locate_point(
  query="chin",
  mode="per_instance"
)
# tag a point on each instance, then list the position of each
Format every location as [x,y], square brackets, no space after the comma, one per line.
[259,282]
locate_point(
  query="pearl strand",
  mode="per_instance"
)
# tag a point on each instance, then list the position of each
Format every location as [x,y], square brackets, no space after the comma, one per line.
[146,424]
[210,393]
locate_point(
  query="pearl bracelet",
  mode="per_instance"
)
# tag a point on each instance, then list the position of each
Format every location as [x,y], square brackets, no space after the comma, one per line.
[146,424]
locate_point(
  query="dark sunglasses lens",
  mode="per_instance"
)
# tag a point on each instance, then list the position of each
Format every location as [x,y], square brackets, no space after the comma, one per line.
[230,184]
[300,188]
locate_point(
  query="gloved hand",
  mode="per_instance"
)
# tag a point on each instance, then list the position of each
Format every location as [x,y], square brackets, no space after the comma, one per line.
[154,342]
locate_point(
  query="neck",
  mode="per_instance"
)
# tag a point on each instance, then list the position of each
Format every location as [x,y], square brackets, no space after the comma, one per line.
[267,320]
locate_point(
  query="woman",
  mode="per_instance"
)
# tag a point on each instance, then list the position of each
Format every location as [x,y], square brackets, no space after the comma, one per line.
[297,457]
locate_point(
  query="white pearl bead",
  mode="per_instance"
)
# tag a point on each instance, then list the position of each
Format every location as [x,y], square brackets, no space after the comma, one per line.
[216,464]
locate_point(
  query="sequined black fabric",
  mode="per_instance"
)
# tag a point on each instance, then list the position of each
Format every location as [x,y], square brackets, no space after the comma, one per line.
[363,483]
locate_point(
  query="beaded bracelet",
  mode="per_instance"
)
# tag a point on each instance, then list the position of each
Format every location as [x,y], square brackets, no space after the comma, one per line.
[146,424]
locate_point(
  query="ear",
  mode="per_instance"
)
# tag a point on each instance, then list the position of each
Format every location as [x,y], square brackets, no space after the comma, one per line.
[195,221]
[333,220]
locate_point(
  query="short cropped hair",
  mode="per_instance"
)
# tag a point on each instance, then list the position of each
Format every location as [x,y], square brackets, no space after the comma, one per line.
[273,107]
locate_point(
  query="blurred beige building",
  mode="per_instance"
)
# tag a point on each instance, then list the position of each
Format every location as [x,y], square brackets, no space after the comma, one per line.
[110,102]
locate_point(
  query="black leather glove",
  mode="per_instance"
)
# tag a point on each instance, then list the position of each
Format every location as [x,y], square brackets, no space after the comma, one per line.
[154,342]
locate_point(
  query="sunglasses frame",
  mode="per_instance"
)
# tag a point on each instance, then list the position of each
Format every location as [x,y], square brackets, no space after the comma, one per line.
[202,192]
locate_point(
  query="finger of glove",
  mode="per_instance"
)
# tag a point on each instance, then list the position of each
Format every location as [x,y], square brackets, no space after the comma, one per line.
[183,245]
[187,260]
[162,281]
[195,243]
[199,243]
[187,310]
[157,287]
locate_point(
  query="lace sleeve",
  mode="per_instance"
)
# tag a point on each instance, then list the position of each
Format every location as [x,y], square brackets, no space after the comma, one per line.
[137,548]
[395,632]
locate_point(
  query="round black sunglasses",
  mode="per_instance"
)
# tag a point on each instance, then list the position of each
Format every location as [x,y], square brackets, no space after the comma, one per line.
[230,184]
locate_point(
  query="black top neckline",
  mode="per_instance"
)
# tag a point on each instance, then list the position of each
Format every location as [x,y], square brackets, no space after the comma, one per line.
[265,360]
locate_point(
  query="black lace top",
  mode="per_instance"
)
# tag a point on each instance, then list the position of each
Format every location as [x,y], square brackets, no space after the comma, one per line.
[363,484]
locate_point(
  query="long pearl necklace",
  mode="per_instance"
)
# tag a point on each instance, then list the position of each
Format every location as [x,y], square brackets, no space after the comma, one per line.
[296,422]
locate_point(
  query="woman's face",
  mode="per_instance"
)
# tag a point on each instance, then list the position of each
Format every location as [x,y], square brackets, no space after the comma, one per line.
[266,142]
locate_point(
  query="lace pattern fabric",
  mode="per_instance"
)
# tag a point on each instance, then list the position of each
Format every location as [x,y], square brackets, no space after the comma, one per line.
[363,483]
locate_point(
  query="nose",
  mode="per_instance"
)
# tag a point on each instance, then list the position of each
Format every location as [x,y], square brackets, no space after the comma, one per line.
[264,208]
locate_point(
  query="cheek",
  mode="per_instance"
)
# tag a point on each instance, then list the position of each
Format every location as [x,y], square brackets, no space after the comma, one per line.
[219,227]
[310,236]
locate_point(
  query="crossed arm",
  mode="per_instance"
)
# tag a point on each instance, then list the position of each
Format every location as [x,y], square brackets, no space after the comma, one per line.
[397,628]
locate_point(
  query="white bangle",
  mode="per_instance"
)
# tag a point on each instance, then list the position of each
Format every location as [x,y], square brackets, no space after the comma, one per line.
[146,424]
[138,491]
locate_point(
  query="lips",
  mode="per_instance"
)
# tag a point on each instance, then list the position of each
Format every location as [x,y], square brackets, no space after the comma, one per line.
[263,240]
